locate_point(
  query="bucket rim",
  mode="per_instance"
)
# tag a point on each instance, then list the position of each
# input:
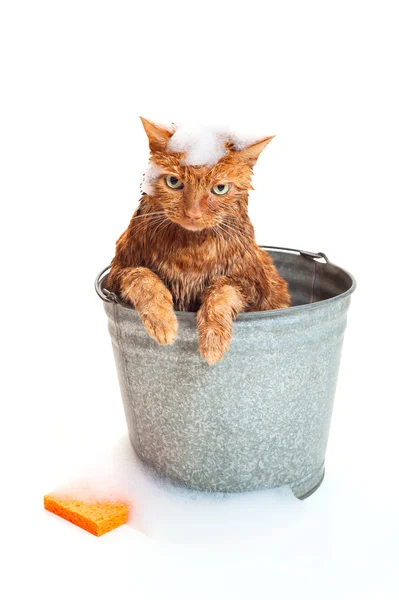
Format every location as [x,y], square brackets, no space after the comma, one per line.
[109,297]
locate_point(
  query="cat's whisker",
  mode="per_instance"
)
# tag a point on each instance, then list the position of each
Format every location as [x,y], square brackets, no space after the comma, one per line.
[245,228]
[157,221]
[246,232]
[148,222]
[240,233]
[235,224]
[214,231]
[158,227]
[145,205]
[166,225]
[159,212]
[153,223]
[239,237]
[232,228]
[221,228]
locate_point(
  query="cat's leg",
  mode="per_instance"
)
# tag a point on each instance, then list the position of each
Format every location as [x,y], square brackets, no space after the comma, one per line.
[221,302]
[152,300]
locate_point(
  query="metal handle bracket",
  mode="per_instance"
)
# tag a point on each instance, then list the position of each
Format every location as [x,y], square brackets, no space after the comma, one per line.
[102,292]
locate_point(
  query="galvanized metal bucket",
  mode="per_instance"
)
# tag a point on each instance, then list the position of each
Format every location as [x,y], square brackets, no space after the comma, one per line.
[260,418]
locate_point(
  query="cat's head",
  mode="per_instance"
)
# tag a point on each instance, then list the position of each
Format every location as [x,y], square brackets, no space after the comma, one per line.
[199,181]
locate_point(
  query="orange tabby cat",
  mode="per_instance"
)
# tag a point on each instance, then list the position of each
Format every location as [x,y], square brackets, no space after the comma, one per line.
[190,246]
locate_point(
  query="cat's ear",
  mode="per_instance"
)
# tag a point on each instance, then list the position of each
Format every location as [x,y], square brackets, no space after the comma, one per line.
[158,136]
[250,154]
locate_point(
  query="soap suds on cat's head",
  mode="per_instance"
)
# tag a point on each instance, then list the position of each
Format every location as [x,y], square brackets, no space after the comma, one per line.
[150,176]
[205,146]
[201,146]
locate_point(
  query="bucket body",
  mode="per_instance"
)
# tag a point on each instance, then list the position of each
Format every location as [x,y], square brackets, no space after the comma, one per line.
[260,418]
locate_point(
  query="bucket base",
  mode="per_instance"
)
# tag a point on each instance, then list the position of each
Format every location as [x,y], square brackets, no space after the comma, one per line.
[313,489]
[302,489]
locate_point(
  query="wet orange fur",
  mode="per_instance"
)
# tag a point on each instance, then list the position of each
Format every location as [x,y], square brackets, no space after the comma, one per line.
[198,252]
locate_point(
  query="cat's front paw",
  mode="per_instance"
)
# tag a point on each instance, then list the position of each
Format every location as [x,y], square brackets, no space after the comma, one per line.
[161,325]
[213,344]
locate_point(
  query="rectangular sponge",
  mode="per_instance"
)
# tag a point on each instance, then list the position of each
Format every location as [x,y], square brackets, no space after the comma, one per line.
[96,517]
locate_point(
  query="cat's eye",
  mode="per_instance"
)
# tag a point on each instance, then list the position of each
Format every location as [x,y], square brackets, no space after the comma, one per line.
[174,182]
[221,189]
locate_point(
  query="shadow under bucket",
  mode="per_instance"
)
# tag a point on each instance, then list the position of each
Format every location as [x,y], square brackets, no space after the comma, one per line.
[258,419]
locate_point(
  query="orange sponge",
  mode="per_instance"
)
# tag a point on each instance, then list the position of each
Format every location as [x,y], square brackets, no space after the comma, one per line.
[96,517]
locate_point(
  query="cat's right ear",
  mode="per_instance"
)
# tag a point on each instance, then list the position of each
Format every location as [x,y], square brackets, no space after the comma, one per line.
[158,136]
[250,154]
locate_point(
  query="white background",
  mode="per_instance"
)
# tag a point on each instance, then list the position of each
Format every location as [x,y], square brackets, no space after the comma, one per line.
[75,76]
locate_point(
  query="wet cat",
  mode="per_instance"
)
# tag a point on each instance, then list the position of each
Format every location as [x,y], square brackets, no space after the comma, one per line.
[190,244]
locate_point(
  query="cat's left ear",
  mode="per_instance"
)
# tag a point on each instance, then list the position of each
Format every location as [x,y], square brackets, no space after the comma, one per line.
[250,154]
[158,136]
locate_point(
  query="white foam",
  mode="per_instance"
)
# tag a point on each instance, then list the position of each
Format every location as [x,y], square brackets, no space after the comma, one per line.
[150,176]
[203,145]
[176,514]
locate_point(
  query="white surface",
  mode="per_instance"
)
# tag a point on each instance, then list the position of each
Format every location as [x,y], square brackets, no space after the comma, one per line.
[177,514]
[75,77]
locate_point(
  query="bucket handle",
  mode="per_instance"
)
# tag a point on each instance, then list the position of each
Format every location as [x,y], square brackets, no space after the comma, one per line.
[306,253]
[108,296]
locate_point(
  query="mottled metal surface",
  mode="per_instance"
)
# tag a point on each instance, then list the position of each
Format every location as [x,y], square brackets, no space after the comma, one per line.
[259,418]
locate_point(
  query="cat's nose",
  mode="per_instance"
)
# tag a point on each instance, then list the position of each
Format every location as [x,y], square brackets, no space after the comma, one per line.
[193,213]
